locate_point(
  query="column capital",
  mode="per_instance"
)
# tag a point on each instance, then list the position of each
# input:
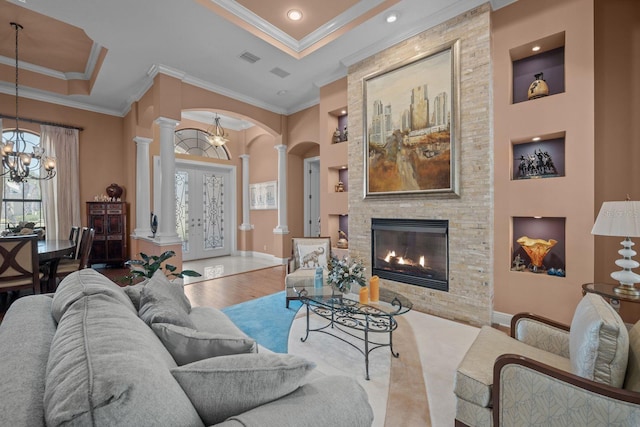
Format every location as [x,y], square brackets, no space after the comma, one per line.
[281,148]
[140,140]
[165,121]
[244,156]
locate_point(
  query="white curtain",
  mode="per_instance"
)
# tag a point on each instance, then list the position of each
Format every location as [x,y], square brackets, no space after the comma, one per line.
[61,195]
[1,178]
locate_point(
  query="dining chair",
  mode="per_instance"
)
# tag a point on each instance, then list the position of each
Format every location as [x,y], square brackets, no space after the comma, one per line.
[19,264]
[68,266]
[74,234]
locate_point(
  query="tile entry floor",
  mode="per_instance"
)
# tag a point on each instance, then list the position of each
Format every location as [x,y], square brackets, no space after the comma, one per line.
[212,268]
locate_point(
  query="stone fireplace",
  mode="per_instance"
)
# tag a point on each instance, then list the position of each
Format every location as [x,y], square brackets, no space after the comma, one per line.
[469,216]
[412,251]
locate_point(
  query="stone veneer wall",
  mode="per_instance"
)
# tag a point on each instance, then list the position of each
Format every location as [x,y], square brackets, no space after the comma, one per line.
[470,216]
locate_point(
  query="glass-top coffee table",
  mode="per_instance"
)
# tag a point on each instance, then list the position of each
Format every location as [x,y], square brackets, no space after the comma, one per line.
[345,313]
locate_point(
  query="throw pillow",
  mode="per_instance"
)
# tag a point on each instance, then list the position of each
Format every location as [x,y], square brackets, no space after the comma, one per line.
[598,342]
[224,386]
[134,292]
[164,302]
[188,345]
[312,256]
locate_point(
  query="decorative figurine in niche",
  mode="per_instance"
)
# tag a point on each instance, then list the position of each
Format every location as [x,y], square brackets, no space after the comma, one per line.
[336,136]
[537,164]
[345,133]
[538,88]
[518,264]
[537,249]
[339,187]
[343,243]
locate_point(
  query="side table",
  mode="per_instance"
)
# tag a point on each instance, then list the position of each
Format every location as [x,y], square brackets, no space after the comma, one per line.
[627,306]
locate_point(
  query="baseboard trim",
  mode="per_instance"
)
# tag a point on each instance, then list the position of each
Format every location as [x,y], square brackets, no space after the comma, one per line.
[502,319]
[261,255]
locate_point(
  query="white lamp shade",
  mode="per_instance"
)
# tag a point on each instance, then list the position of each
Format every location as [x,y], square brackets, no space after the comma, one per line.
[620,219]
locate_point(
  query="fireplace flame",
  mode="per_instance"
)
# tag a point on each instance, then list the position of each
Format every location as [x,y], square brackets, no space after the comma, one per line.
[422,261]
[390,254]
[400,260]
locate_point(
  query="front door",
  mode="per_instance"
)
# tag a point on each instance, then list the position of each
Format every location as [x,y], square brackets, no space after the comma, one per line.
[203,211]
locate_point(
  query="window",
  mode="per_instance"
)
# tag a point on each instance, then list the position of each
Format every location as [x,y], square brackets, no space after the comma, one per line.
[21,201]
[194,142]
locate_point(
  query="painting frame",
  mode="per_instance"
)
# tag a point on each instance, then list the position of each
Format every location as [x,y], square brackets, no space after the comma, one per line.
[413,148]
[263,195]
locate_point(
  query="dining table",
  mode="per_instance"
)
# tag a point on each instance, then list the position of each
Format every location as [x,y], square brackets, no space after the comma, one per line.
[50,252]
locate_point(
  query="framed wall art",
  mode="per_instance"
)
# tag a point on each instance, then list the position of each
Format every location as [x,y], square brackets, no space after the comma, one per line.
[263,195]
[411,126]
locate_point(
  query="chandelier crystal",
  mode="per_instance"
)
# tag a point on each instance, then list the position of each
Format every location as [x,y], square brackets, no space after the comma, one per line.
[216,134]
[16,161]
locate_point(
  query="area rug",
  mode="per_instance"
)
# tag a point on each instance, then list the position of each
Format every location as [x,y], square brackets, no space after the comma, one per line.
[265,319]
[415,389]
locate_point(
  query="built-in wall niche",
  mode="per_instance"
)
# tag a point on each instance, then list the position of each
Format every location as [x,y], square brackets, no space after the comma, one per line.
[341,131]
[538,245]
[540,157]
[541,59]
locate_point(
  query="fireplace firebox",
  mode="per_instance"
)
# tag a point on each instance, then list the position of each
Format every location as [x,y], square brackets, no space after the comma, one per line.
[412,251]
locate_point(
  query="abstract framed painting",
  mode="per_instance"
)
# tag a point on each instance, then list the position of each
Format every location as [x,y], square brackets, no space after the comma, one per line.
[411,126]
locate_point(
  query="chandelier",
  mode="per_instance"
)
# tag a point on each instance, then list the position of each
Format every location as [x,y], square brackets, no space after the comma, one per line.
[16,161]
[216,134]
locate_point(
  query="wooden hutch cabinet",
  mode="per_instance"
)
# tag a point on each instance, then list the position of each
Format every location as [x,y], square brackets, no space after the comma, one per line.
[109,220]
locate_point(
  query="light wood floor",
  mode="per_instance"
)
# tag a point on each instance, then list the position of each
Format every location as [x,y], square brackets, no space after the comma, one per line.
[230,290]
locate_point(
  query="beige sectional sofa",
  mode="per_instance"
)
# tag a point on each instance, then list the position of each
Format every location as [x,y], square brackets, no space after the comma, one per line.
[95,354]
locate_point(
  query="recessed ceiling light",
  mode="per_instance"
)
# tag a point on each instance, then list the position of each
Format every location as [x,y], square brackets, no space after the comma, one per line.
[537,217]
[281,92]
[294,15]
[343,112]
[391,17]
[535,48]
[537,138]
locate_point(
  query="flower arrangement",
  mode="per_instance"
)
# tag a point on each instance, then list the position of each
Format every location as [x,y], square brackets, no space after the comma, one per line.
[345,272]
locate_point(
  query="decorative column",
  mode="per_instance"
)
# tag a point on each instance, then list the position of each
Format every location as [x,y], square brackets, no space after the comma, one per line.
[245,193]
[282,227]
[143,187]
[167,216]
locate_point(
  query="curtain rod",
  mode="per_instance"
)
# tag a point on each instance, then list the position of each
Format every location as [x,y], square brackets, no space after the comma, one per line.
[40,122]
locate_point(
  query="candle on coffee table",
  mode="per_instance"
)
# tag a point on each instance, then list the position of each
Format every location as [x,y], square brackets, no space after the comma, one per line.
[374,286]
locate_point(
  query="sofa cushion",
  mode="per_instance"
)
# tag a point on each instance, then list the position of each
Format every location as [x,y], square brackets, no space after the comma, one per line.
[134,292]
[106,367]
[164,302]
[188,345]
[229,385]
[598,342]
[632,379]
[82,283]
[473,381]
[23,361]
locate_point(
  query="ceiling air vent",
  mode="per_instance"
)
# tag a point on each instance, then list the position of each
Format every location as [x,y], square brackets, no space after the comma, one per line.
[280,72]
[249,57]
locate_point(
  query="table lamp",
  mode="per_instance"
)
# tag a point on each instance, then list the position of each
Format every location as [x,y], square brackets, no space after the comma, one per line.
[621,219]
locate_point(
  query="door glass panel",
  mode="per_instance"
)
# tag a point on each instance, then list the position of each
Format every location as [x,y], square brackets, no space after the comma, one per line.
[213,209]
[182,208]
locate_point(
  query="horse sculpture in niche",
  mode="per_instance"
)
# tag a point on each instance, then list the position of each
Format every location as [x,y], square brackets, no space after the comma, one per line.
[311,259]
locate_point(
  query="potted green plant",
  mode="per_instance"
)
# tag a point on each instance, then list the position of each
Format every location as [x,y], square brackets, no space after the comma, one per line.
[149,264]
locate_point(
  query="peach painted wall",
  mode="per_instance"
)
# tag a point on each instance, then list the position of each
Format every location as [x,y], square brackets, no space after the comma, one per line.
[303,143]
[100,147]
[571,196]
[617,130]
[263,163]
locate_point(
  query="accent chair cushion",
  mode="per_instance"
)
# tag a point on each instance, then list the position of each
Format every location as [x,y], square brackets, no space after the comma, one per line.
[312,256]
[224,386]
[189,345]
[632,380]
[473,381]
[164,302]
[598,342]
